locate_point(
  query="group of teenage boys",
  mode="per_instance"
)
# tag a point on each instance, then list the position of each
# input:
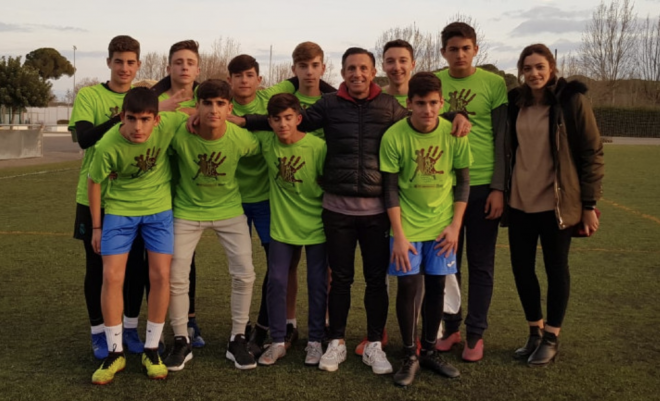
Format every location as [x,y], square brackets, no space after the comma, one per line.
[309,167]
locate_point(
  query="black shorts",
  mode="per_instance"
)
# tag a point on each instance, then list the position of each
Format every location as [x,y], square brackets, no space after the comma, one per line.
[82,228]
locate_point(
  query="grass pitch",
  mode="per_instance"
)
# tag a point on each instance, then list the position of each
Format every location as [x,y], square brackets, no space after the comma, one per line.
[608,348]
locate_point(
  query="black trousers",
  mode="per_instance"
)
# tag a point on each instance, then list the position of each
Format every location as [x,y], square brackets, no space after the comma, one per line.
[479,237]
[343,233]
[408,303]
[524,232]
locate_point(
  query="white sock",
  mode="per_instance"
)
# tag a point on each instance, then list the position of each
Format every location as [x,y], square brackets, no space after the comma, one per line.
[232,338]
[98,329]
[277,345]
[113,336]
[154,330]
[130,322]
[293,322]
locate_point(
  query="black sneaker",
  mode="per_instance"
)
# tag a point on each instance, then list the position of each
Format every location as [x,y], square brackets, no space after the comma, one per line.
[406,374]
[237,351]
[291,336]
[431,360]
[180,354]
[258,338]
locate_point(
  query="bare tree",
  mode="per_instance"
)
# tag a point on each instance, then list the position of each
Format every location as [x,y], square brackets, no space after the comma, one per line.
[278,73]
[213,64]
[570,65]
[608,43]
[484,46]
[154,66]
[329,74]
[70,96]
[649,57]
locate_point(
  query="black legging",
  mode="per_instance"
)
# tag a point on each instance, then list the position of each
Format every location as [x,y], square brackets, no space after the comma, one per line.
[137,279]
[524,232]
[409,301]
[193,285]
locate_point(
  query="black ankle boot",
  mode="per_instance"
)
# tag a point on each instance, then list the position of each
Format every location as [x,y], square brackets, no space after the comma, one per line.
[546,352]
[532,343]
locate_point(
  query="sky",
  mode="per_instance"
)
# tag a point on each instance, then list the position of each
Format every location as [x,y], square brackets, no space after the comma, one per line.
[508,26]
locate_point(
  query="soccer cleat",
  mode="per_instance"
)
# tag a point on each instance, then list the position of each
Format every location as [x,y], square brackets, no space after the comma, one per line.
[314,352]
[359,350]
[113,364]
[409,369]
[474,354]
[447,341]
[291,336]
[237,351]
[334,355]
[432,361]
[156,369]
[272,354]
[132,341]
[180,354]
[195,334]
[100,345]
[375,357]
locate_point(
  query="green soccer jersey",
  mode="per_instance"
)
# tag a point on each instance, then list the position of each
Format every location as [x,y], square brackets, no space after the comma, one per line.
[142,186]
[251,170]
[424,163]
[295,195]
[95,104]
[477,95]
[182,105]
[402,100]
[206,188]
[305,102]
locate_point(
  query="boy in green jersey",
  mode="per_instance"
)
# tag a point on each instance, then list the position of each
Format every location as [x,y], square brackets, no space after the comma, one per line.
[207,195]
[95,111]
[295,164]
[398,63]
[139,199]
[183,70]
[483,97]
[419,159]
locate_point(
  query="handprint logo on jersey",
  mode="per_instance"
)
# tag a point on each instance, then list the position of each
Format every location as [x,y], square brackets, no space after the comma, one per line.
[426,161]
[458,102]
[208,165]
[287,169]
[114,112]
[145,163]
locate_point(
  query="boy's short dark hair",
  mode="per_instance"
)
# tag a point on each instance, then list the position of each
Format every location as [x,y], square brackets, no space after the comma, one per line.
[123,43]
[460,29]
[281,102]
[191,45]
[306,51]
[357,50]
[399,43]
[140,100]
[423,83]
[242,63]
[214,88]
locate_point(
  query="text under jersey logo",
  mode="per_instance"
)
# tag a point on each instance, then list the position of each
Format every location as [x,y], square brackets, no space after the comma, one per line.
[145,163]
[459,101]
[287,169]
[208,165]
[426,160]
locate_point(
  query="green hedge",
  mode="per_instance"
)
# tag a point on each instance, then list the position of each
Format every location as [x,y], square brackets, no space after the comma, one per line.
[628,121]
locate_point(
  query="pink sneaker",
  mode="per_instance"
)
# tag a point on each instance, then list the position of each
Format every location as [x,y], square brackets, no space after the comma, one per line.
[445,343]
[474,354]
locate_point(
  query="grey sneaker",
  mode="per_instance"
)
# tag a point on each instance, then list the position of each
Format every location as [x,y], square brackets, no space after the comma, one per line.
[375,357]
[334,355]
[272,354]
[314,353]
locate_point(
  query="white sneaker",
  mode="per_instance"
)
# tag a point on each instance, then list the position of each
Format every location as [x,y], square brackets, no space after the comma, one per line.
[272,354]
[334,355]
[314,353]
[375,357]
